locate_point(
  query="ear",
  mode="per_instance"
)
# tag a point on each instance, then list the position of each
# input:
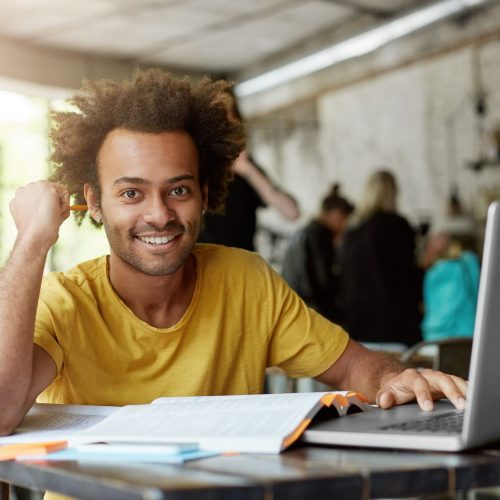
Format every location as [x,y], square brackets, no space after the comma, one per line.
[93,204]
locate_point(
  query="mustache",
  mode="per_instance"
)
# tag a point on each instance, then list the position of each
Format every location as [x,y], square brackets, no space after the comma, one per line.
[170,227]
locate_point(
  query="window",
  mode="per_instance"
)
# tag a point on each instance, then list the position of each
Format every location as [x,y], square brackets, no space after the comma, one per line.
[24,151]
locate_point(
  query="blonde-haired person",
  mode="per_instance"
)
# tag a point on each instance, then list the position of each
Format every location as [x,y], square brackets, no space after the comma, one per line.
[381,283]
[379,195]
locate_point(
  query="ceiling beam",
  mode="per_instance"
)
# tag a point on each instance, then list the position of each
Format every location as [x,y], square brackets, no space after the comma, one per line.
[359,45]
[363,9]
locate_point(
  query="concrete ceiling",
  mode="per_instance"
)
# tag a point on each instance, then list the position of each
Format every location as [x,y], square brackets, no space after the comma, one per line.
[224,37]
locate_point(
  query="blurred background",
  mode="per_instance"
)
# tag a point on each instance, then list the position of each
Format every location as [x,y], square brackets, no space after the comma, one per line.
[330,90]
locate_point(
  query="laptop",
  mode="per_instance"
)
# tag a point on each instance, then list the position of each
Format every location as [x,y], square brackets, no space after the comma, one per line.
[445,428]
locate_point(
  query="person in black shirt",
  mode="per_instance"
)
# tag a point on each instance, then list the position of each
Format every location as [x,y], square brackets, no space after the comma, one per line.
[249,190]
[310,265]
[381,283]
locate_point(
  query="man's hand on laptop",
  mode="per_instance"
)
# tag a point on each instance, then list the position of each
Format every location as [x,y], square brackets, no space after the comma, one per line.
[424,386]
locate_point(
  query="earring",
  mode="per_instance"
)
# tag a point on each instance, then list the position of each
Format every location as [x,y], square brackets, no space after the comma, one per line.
[97,218]
[203,212]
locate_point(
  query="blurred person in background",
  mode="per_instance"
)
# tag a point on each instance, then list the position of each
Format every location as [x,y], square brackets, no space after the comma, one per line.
[451,279]
[249,190]
[310,265]
[381,282]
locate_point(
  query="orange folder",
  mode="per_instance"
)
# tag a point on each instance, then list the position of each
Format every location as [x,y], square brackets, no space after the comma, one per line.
[11,451]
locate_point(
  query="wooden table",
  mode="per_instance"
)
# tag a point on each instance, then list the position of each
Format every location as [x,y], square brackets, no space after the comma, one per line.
[301,472]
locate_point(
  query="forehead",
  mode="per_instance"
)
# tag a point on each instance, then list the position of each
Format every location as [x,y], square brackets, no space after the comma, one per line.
[130,153]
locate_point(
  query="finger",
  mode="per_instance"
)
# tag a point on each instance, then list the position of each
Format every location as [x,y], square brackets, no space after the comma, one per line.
[12,207]
[422,391]
[447,386]
[402,389]
[65,215]
[463,385]
[409,386]
[385,399]
[63,197]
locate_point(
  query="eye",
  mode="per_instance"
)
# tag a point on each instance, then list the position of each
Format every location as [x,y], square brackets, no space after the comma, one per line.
[179,191]
[130,194]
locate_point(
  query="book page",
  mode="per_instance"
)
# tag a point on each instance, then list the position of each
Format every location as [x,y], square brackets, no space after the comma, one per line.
[294,396]
[56,421]
[221,419]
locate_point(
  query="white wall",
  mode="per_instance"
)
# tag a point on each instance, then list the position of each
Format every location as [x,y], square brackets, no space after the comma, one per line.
[418,120]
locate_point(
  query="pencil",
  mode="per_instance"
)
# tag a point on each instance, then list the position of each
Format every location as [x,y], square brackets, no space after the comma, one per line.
[78,208]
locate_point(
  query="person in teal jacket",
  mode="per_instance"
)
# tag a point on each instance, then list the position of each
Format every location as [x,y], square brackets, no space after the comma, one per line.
[450,290]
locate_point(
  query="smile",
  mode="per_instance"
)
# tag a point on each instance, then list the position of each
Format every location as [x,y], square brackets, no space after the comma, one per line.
[157,240]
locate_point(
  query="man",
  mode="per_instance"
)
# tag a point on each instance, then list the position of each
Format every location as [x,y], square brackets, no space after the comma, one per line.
[160,315]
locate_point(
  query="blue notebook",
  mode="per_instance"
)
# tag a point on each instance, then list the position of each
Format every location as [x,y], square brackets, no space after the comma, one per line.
[120,456]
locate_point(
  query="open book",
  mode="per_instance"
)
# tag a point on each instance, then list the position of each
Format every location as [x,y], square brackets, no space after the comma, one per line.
[266,423]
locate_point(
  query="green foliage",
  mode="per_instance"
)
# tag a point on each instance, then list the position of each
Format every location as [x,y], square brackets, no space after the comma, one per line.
[24,149]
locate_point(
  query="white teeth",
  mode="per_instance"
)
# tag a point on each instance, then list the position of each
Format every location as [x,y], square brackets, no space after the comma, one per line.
[157,240]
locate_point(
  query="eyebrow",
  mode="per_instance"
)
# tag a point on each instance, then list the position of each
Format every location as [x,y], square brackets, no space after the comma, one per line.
[141,181]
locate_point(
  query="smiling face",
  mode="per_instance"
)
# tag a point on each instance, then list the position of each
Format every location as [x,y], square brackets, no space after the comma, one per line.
[151,200]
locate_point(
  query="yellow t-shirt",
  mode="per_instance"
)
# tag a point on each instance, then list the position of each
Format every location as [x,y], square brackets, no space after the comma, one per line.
[242,318]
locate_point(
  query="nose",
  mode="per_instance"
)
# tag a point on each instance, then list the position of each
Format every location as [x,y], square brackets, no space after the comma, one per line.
[158,213]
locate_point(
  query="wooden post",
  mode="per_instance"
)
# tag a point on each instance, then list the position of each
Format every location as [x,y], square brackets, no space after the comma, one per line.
[4,491]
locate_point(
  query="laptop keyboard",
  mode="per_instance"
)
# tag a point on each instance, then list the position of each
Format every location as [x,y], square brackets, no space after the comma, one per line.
[449,422]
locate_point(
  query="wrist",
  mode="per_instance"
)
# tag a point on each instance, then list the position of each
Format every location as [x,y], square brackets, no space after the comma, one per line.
[35,244]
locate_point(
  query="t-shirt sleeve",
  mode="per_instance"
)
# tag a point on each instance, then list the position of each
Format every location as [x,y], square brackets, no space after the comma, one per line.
[45,331]
[302,342]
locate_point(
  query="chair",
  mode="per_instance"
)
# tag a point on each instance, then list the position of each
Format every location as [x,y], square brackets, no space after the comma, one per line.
[451,355]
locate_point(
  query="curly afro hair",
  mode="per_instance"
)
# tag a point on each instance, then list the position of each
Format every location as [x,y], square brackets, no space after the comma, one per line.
[153,101]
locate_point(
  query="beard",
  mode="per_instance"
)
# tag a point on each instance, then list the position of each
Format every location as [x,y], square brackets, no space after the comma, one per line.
[160,264]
